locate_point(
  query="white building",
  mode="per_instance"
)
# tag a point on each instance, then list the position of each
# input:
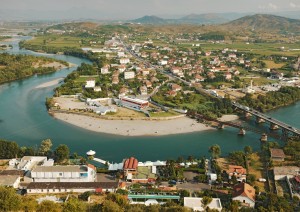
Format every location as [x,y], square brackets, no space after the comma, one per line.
[129,74]
[196,205]
[245,194]
[27,162]
[63,174]
[105,69]
[121,54]
[10,180]
[124,61]
[163,62]
[68,187]
[90,83]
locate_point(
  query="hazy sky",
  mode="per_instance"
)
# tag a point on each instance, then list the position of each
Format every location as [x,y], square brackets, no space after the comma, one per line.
[125,9]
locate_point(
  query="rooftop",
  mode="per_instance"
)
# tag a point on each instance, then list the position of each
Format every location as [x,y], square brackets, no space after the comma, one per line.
[60,169]
[8,180]
[286,170]
[70,185]
[278,153]
[244,189]
[195,203]
[130,163]
[237,169]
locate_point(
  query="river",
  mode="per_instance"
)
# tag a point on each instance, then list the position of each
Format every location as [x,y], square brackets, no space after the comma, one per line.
[24,119]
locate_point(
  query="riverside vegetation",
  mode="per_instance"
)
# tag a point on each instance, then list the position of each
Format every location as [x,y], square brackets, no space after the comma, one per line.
[15,67]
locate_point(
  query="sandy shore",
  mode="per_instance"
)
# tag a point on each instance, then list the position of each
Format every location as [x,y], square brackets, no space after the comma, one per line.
[51,83]
[134,127]
[227,118]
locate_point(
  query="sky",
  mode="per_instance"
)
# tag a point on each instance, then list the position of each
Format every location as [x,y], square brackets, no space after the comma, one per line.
[130,9]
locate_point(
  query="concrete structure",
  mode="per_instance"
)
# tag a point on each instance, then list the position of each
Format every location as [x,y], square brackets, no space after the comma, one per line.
[124,61]
[68,187]
[245,194]
[63,174]
[196,205]
[281,172]
[129,75]
[277,154]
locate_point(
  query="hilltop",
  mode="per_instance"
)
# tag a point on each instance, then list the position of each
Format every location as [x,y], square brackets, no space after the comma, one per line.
[263,22]
[150,20]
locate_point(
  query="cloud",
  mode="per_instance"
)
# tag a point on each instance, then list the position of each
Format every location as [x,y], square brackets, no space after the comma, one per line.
[270,7]
[294,6]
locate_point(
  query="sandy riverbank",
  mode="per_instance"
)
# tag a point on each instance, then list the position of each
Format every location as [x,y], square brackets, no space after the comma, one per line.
[134,127]
[50,83]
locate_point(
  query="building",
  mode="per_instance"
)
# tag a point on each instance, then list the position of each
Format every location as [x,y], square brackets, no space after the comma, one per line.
[133,103]
[245,194]
[124,61]
[130,167]
[143,90]
[105,69]
[277,154]
[74,187]
[238,171]
[129,75]
[196,205]
[90,83]
[63,174]
[10,180]
[27,162]
[283,172]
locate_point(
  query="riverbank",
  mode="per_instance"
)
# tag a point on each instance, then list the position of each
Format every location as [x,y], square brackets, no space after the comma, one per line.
[50,83]
[134,127]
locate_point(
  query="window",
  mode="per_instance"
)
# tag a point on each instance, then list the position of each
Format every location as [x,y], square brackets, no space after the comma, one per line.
[60,174]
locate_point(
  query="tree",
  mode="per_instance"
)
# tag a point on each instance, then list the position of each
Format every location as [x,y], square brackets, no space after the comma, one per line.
[48,206]
[9,200]
[74,205]
[45,146]
[215,150]
[110,206]
[248,150]
[205,201]
[8,149]
[62,153]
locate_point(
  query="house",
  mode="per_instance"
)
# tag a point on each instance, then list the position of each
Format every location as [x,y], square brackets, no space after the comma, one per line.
[97,89]
[175,87]
[105,69]
[124,61]
[171,93]
[245,194]
[122,68]
[163,62]
[68,187]
[195,203]
[238,171]
[130,166]
[143,90]
[121,54]
[277,154]
[283,172]
[129,74]
[90,83]
[175,70]
[74,173]
[148,84]
[123,91]
[227,76]
[199,78]
[145,72]
[115,80]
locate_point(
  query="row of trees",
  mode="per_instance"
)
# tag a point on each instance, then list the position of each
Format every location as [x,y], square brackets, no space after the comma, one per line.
[14,67]
[9,149]
[273,99]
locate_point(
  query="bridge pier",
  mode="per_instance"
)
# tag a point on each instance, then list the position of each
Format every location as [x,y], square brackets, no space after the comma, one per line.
[221,126]
[274,126]
[242,131]
[259,120]
[264,137]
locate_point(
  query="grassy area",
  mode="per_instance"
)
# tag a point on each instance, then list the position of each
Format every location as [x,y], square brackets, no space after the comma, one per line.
[272,64]
[56,41]
[255,167]
[164,114]
[258,81]
[144,173]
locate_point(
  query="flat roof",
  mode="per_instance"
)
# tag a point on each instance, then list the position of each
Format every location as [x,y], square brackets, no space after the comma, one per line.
[146,196]
[195,203]
[286,170]
[8,180]
[60,169]
[70,185]
[134,100]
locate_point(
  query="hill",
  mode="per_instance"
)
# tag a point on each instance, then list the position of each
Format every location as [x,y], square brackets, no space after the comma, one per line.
[150,20]
[209,18]
[263,22]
